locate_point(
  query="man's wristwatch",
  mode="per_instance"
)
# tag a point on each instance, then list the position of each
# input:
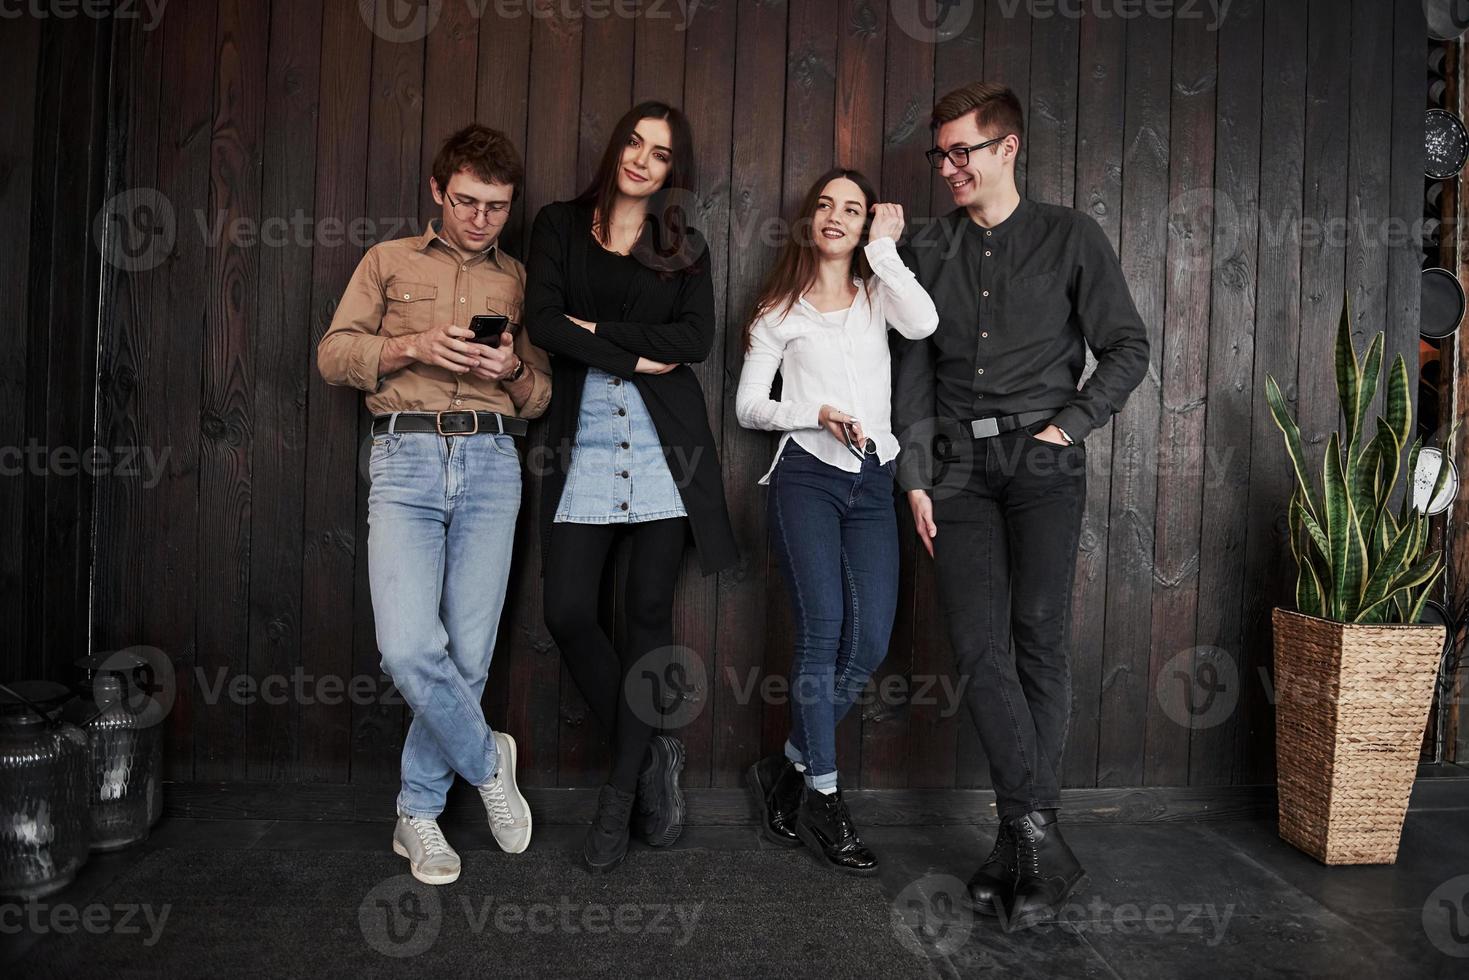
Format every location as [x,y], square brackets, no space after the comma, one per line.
[1065,435]
[519,369]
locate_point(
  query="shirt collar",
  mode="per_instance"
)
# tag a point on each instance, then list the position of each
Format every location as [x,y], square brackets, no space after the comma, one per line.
[491,254]
[1015,220]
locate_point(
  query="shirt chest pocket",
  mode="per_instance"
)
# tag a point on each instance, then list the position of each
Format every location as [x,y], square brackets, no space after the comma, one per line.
[500,305]
[410,307]
[1040,298]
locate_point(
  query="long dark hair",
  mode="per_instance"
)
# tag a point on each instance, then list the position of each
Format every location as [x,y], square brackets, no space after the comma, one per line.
[672,246]
[795,267]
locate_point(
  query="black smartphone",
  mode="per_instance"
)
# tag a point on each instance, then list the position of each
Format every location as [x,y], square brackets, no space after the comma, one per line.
[487,328]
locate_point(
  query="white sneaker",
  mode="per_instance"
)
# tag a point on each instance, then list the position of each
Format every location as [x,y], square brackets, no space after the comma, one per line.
[508,812]
[430,857]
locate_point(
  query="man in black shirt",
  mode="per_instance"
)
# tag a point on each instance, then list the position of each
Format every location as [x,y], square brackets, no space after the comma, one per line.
[992,423]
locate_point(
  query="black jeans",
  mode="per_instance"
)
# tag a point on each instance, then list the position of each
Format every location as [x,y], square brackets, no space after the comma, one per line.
[1008,510]
[573,578]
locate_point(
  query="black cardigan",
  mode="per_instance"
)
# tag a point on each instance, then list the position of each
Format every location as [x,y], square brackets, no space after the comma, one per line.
[669,320]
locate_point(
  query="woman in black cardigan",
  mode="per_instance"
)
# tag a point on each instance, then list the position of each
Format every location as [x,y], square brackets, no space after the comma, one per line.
[618,290]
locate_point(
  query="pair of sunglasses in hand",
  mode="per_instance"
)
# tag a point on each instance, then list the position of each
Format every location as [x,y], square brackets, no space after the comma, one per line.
[849,436]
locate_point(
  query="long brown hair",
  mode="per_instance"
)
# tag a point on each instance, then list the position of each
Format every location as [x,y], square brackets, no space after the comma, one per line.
[795,267]
[672,246]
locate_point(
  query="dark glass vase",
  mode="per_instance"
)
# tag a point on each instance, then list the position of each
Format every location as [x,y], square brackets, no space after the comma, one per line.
[126,748]
[45,824]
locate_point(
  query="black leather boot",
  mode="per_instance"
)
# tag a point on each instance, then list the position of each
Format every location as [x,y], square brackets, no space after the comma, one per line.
[825,826]
[660,800]
[1046,871]
[776,785]
[606,843]
[993,884]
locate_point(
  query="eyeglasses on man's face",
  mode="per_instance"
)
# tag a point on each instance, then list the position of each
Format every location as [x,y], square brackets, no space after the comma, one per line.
[958,155]
[469,210]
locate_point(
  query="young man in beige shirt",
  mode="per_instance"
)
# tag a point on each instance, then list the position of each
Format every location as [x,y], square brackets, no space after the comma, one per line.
[445,476]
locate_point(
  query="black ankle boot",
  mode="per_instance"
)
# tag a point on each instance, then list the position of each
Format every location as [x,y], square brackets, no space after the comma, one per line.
[1046,871]
[825,827]
[606,843]
[776,784]
[993,885]
[660,801]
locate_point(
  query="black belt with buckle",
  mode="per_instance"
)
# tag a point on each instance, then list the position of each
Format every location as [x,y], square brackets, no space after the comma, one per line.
[465,423]
[985,428]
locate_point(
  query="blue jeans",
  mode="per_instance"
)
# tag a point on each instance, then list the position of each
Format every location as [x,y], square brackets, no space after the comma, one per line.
[836,536]
[441,515]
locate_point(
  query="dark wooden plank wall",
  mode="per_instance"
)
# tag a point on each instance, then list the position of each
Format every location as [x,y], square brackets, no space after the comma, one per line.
[19,51]
[1199,150]
[54,143]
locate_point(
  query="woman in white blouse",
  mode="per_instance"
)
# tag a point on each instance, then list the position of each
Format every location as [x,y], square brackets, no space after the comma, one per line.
[821,320]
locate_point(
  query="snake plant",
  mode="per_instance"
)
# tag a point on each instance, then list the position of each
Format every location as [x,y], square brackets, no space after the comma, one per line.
[1357,561]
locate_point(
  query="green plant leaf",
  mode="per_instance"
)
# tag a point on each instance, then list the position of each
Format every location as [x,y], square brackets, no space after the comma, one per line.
[1348,549]
[1371,375]
[1401,589]
[1388,452]
[1361,470]
[1397,402]
[1308,523]
[1391,565]
[1406,507]
[1419,573]
[1416,613]
[1348,375]
[1293,447]
[1444,471]
[1364,487]
[1308,591]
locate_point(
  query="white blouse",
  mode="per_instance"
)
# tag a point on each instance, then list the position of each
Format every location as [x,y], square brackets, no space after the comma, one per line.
[838,361]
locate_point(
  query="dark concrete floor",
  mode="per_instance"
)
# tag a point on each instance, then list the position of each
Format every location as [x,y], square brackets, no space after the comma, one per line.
[1221,898]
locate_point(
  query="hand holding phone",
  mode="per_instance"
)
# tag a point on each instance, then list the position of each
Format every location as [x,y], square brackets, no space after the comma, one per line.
[488,327]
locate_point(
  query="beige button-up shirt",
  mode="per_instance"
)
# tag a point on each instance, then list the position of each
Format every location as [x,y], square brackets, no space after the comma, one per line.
[409,285]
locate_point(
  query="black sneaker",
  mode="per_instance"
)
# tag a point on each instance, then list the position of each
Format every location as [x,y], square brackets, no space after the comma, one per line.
[660,801]
[776,785]
[606,843]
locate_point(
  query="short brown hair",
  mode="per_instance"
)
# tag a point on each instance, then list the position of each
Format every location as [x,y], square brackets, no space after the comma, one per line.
[486,153]
[995,106]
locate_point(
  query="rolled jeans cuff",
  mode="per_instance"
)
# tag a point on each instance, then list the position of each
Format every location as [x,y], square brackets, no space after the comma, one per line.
[827,780]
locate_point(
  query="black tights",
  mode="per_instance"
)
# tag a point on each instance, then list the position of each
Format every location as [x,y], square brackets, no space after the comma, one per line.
[573,575]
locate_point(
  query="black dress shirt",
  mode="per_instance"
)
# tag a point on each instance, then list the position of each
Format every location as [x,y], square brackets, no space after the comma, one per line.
[1018,305]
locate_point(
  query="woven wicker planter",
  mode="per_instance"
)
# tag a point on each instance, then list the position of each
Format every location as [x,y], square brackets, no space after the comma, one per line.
[1351,702]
